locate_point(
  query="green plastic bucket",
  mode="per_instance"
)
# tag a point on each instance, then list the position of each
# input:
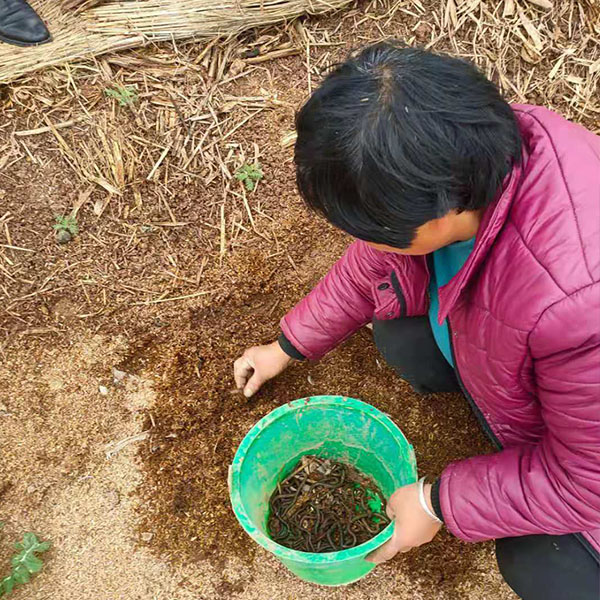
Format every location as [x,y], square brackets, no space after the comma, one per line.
[332,427]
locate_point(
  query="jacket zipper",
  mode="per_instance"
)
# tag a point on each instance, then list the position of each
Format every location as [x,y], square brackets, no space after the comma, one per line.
[476,410]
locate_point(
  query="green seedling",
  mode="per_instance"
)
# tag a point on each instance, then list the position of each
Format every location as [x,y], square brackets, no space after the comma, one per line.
[24,563]
[124,95]
[67,223]
[66,228]
[249,175]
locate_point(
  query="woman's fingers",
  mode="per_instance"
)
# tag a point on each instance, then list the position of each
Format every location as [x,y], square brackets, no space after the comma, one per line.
[242,368]
[382,553]
[247,376]
[391,513]
[257,365]
[254,384]
[388,550]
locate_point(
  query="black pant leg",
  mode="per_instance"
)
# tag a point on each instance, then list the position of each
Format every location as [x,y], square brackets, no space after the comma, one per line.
[549,567]
[408,346]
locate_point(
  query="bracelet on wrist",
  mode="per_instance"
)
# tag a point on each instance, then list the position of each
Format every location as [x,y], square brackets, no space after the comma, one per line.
[423,502]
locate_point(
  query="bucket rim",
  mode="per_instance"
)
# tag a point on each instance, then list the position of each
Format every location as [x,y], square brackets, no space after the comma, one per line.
[282,552]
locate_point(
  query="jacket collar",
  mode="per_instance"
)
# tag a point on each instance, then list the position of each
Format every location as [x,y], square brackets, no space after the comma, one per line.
[493,221]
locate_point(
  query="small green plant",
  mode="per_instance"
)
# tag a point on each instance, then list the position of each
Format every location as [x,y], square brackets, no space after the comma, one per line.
[67,223]
[24,563]
[66,228]
[249,175]
[125,95]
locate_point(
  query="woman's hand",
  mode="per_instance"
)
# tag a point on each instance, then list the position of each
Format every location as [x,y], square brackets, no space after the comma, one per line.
[412,525]
[257,365]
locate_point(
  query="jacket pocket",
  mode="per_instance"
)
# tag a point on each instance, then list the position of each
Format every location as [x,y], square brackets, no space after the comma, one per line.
[386,301]
[402,292]
[399,294]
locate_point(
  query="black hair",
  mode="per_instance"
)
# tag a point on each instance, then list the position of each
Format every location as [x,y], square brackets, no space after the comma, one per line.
[397,136]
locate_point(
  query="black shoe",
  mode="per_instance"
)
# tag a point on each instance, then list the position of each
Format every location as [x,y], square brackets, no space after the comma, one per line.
[20,25]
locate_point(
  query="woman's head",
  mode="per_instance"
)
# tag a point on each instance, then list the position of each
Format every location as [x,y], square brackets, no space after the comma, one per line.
[397,137]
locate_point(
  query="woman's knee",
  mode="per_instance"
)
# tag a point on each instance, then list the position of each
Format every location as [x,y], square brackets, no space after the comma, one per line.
[408,346]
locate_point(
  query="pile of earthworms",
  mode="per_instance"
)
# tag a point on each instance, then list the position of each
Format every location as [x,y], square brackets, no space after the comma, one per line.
[325,506]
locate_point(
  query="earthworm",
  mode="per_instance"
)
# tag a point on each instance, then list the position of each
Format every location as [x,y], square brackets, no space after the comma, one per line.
[323,506]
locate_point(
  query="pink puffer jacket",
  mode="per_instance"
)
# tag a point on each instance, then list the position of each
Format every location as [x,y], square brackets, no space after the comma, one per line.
[524,314]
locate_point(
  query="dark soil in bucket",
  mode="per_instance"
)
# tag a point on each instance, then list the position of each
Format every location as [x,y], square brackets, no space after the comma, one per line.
[325,506]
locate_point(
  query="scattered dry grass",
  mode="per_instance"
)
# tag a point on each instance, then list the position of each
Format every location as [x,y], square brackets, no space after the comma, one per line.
[83,29]
[191,124]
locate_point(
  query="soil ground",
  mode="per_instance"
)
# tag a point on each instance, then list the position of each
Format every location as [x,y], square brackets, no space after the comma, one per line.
[174,272]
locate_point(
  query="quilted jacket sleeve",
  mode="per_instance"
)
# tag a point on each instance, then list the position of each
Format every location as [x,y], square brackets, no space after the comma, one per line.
[338,305]
[552,487]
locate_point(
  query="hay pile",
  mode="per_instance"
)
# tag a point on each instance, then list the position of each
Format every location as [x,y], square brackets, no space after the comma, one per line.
[112,26]
[80,5]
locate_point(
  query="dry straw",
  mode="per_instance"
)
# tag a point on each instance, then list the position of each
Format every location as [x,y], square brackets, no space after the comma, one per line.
[204,110]
[112,26]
